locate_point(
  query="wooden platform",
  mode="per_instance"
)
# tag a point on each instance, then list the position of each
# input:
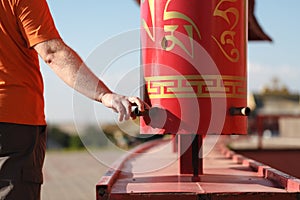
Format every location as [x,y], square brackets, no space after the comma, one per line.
[151,172]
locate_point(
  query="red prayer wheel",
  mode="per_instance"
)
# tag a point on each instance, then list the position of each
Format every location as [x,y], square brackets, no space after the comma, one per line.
[194,66]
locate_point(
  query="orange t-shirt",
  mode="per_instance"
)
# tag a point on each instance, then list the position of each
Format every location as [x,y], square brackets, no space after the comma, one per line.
[23,24]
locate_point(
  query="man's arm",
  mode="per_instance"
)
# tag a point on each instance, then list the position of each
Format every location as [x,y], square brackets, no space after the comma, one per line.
[66,63]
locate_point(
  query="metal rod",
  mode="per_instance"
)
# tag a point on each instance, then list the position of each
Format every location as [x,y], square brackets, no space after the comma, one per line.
[243,111]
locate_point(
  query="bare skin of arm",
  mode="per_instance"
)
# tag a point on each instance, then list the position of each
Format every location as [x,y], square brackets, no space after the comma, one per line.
[67,64]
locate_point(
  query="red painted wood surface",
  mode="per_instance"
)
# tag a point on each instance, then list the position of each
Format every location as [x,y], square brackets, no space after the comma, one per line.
[227,175]
[285,160]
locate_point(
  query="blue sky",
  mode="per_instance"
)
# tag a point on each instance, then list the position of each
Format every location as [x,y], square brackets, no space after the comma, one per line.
[85,25]
[280,58]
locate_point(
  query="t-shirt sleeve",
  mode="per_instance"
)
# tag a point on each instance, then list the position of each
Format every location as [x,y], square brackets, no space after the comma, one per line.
[35,21]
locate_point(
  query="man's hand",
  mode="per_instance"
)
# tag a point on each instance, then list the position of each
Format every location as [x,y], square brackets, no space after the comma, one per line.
[122,104]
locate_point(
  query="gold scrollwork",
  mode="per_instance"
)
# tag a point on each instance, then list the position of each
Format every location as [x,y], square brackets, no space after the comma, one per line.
[227,38]
[172,28]
[175,41]
[169,41]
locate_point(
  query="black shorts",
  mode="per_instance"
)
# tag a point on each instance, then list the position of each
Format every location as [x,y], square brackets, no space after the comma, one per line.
[22,153]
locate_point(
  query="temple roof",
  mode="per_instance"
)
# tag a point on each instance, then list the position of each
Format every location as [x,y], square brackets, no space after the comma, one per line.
[255,32]
[277,104]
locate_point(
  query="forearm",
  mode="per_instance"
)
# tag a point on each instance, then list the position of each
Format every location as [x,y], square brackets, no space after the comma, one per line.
[71,69]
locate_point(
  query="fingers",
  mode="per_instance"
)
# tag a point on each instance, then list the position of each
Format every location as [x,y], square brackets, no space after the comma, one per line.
[138,102]
[122,113]
[124,109]
[122,105]
[125,112]
[142,106]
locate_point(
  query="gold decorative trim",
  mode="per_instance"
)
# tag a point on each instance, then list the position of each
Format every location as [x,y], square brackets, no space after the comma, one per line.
[196,86]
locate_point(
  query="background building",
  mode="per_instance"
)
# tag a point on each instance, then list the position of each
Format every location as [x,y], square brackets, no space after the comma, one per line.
[276,111]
